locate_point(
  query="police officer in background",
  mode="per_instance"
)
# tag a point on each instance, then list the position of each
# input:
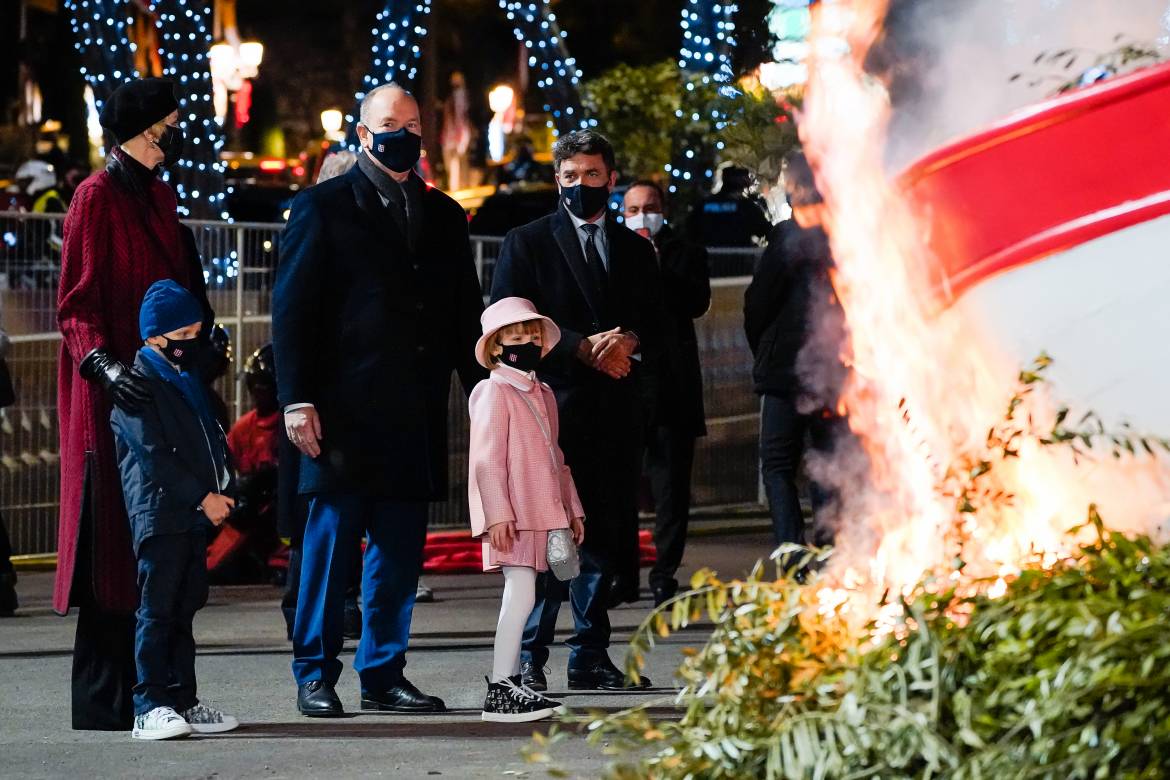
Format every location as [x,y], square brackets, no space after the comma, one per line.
[731,217]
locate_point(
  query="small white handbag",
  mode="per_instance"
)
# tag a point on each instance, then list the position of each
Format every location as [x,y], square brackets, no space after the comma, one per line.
[562,557]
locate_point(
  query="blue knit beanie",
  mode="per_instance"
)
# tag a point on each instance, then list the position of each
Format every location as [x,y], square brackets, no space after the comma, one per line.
[166,307]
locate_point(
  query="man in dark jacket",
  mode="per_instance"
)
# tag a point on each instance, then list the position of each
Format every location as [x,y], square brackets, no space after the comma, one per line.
[795,329]
[172,456]
[598,281]
[376,302]
[670,450]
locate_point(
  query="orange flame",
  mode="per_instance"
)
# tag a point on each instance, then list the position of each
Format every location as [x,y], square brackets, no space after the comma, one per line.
[925,387]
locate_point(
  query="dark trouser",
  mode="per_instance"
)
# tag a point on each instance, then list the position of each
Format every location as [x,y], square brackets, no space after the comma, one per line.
[670,454]
[396,532]
[103,652]
[5,550]
[8,600]
[588,593]
[782,449]
[603,447]
[172,587]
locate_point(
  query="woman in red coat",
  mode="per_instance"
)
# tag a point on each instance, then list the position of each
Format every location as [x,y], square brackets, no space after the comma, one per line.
[121,234]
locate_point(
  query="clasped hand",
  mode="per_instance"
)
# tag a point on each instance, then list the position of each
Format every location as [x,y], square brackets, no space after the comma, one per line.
[609,352]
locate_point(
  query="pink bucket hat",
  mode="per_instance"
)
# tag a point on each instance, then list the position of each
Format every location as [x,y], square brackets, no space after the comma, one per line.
[509,311]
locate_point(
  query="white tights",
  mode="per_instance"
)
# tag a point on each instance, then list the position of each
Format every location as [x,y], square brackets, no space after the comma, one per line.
[519,597]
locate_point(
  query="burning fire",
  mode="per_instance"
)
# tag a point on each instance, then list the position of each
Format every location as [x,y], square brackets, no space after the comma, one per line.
[925,386]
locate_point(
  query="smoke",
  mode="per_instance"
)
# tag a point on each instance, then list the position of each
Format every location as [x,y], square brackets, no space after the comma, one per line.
[924,390]
[950,63]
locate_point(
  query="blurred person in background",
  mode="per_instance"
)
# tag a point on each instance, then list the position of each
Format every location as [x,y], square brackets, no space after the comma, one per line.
[38,180]
[730,216]
[241,549]
[680,418]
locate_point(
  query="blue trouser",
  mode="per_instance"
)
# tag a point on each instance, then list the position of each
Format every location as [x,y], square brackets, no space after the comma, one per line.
[172,586]
[588,593]
[395,533]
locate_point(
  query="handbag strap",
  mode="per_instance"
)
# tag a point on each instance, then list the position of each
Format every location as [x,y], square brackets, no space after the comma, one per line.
[544,429]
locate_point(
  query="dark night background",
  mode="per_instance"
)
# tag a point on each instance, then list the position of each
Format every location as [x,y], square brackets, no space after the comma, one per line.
[316,53]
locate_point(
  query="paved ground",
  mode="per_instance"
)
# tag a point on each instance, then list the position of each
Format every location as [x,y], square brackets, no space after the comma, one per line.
[243,668]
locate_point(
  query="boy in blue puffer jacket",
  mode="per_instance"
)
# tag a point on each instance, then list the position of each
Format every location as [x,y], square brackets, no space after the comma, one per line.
[175,479]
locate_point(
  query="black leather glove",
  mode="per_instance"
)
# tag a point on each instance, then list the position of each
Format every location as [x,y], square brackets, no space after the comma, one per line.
[126,388]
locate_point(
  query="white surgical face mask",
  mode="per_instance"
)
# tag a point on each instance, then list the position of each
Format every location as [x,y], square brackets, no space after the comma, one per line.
[651,221]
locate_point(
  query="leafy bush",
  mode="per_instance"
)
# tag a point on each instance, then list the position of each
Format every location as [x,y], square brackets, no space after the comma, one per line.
[1065,674]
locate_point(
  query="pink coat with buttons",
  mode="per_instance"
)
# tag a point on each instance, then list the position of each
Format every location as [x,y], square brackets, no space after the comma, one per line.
[514,475]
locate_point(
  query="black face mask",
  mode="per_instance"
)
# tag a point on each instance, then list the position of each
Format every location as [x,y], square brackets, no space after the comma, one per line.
[522,357]
[172,142]
[398,150]
[182,352]
[585,201]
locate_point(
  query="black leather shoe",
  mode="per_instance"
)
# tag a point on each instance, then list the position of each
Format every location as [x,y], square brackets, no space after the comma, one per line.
[602,676]
[623,591]
[664,592]
[352,622]
[403,697]
[533,676]
[317,699]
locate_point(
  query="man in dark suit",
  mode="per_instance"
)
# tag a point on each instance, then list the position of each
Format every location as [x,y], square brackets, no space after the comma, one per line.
[376,302]
[670,449]
[598,282]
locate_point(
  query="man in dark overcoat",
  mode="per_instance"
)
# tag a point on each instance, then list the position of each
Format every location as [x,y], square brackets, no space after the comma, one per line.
[376,302]
[121,235]
[670,448]
[598,281]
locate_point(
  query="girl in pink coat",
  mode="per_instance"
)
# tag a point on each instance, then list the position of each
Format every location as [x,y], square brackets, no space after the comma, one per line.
[519,487]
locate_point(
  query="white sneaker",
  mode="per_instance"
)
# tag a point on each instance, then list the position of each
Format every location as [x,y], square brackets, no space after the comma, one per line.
[160,723]
[208,720]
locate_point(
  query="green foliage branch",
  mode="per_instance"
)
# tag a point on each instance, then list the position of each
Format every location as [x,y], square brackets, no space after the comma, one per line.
[1065,675]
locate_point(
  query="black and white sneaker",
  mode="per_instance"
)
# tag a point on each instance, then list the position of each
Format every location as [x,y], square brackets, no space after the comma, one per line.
[208,720]
[160,723]
[509,701]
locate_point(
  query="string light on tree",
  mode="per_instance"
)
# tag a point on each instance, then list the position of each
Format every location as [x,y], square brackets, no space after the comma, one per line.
[185,35]
[708,39]
[397,34]
[535,25]
[99,35]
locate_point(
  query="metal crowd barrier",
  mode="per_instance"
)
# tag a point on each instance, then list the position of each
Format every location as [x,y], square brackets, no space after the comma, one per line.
[239,262]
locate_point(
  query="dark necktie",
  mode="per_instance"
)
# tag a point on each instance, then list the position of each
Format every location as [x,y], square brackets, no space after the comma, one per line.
[593,257]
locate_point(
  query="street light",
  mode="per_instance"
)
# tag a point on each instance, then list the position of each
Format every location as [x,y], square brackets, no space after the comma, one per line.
[230,66]
[251,55]
[331,121]
[500,101]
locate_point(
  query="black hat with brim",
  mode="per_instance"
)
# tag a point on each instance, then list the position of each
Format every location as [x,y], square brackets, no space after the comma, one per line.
[136,105]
